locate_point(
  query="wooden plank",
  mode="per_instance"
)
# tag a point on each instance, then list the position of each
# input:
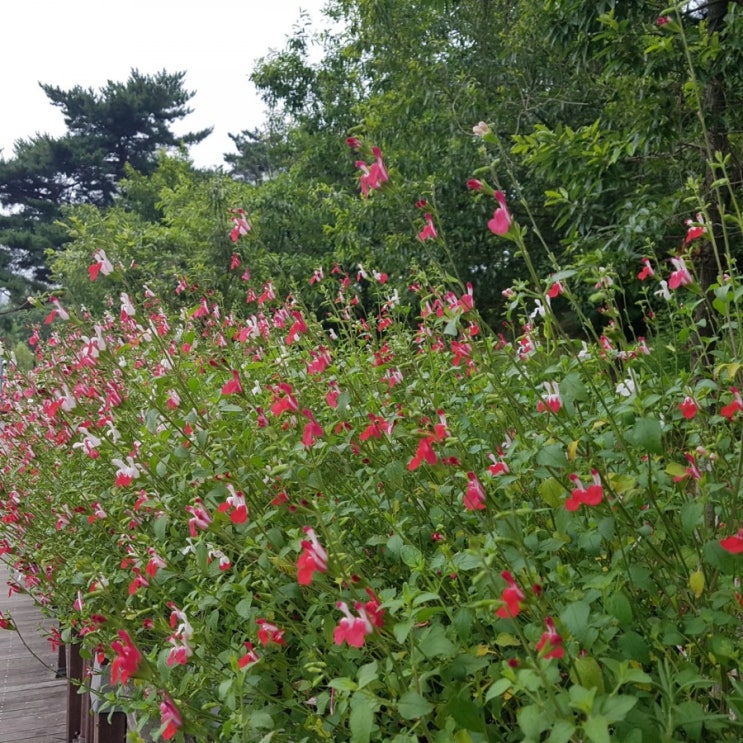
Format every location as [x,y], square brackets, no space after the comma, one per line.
[32,699]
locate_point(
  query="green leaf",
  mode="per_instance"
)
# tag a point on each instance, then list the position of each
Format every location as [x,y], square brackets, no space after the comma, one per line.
[434,643]
[615,708]
[552,455]
[589,673]
[597,729]
[575,618]
[532,721]
[618,605]
[692,513]
[646,435]
[367,673]
[243,607]
[500,687]
[361,719]
[562,732]
[411,556]
[412,706]
[402,629]
[343,684]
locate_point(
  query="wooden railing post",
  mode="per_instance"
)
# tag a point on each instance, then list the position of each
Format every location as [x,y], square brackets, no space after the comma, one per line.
[110,732]
[74,665]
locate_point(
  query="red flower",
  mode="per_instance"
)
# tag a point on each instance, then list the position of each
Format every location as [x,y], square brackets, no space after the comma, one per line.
[250,656]
[200,517]
[372,177]
[101,265]
[127,658]
[729,411]
[269,633]
[314,558]
[555,290]
[424,452]
[550,642]
[235,505]
[681,276]
[351,629]
[241,224]
[688,408]
[552,401]
[580,496]
[475,496]
[694,229]
[373,610]
[429,231]
[233,387]
[170,717]
[512,597]
[647,270]
[733,544]
[311,429]
[500,224]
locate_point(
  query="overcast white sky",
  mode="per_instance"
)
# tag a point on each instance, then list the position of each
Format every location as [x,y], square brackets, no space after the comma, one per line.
[88,42]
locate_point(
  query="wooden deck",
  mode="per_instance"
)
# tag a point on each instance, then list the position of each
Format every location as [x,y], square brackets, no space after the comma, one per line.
[32,700]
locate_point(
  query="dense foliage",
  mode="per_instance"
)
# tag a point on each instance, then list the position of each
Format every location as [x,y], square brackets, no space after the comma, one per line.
[285,478]
[109,133]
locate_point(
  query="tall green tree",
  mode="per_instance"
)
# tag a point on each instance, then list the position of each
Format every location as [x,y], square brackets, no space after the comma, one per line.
[121,126]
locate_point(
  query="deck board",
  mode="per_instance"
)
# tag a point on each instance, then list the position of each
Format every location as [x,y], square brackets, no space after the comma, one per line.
[32,699]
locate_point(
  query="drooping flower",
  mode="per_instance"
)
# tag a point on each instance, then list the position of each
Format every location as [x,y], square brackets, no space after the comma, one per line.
[313,559]
[200,518]
[734,543]
[555,290]
[155,562]
[480,129]
[429,231]
[728,411]
[233,387]
[681,276]
[688,408]
[695,229]
[647,270]
[269,632]
[692,470]
[373,609]
[235,506]
[512,596]
[550,644]
[552,401]
[351,629]
[591,496]
[170,717]
[126,472]
[249,657]
[241,226]
[474,496]
[101,265]
[500,224]
[127,306]
[127,658]
[312,429]
[372,177]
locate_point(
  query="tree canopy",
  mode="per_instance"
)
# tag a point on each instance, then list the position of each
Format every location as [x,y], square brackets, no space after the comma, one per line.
[118,128]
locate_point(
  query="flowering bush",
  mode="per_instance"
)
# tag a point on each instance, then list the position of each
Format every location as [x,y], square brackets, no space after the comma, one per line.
[352,525]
